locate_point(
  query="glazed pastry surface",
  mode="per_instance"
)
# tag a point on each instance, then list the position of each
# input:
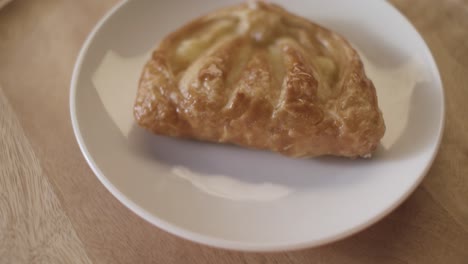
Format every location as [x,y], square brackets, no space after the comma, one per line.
[258,76]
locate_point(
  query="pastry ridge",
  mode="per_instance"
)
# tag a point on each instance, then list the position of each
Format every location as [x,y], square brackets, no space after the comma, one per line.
[258,76]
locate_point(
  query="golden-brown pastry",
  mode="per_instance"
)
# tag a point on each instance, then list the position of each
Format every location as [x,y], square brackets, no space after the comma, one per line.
[258,76]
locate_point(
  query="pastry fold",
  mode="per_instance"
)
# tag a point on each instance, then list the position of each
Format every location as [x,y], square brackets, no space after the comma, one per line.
[258,76]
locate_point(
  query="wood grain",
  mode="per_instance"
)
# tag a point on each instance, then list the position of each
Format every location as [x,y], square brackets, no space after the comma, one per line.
[39,41]
[33,226]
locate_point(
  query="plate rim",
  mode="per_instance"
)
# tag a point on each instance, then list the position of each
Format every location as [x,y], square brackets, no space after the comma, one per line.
[223,243]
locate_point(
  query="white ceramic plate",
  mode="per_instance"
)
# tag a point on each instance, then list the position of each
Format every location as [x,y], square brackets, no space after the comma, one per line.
[264,201]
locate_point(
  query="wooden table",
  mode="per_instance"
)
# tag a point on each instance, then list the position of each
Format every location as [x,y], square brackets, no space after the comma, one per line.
[54,210]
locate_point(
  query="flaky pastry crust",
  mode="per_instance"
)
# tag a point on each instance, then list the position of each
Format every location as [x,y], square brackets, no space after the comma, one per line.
[258,76]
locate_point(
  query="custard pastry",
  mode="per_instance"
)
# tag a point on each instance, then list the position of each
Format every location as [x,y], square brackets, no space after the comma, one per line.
[258,76]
